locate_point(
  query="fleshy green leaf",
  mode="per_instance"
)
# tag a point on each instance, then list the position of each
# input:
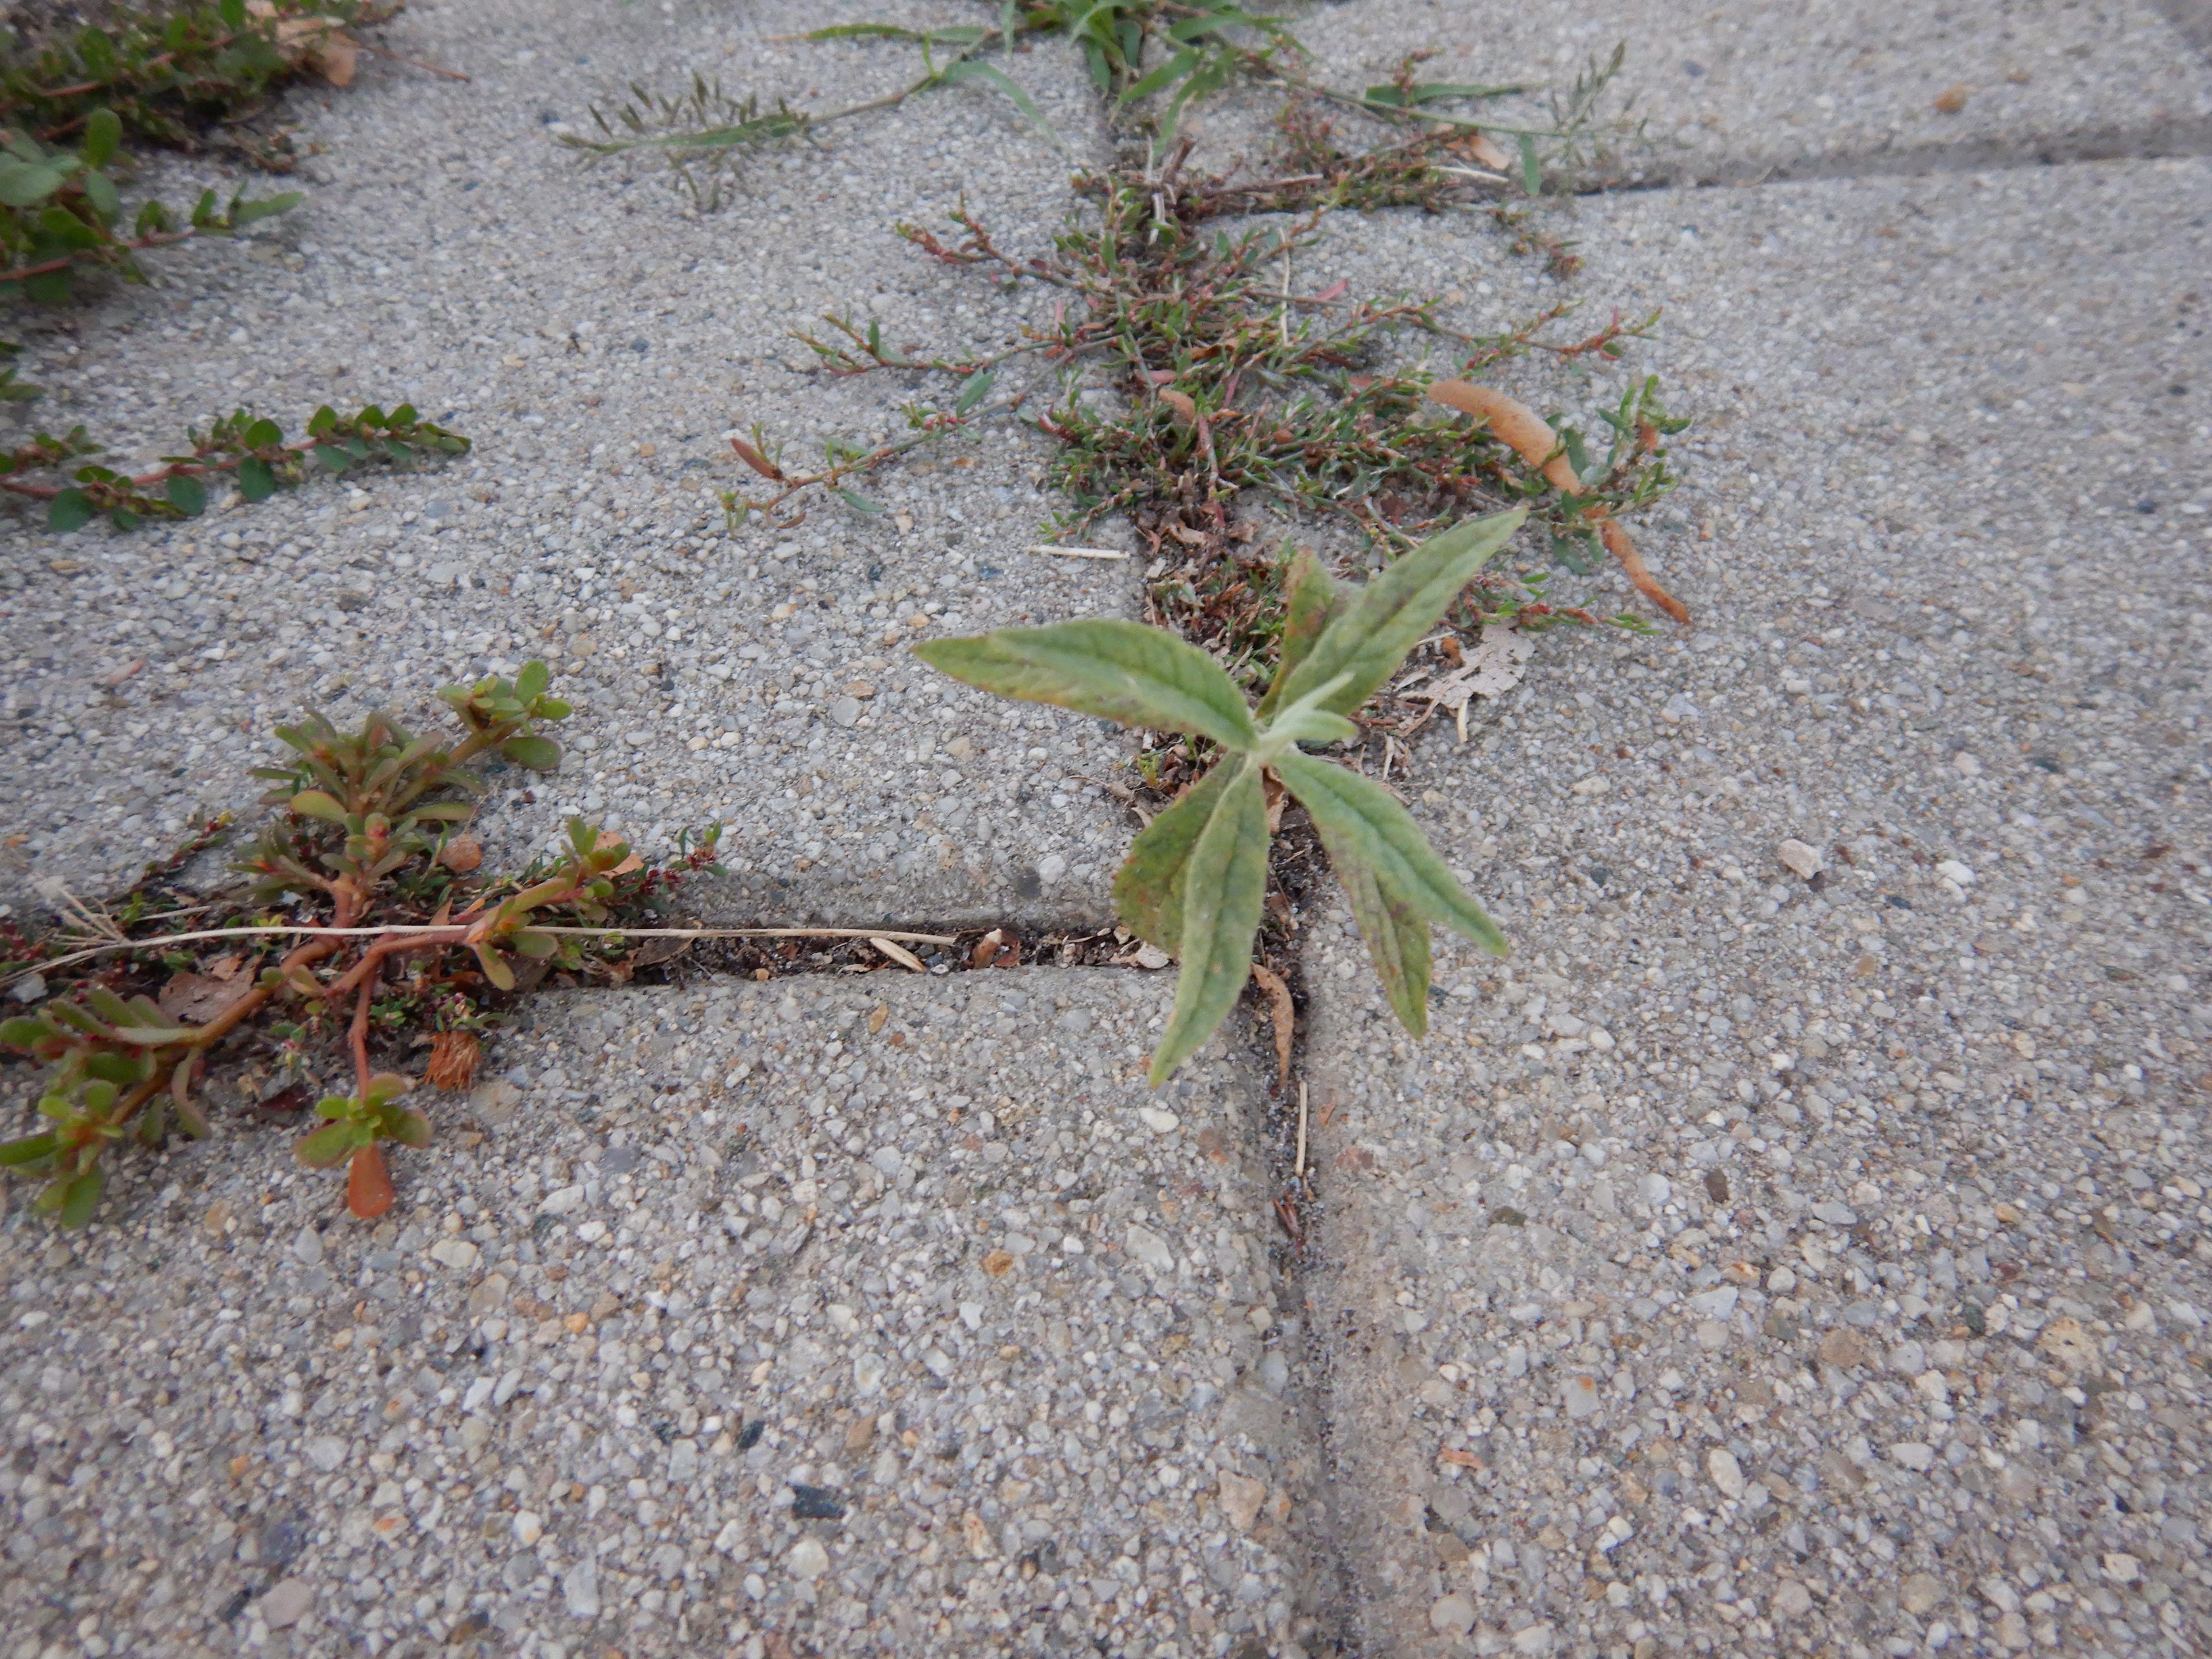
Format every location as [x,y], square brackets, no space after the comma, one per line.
[858,502]
[494,967]
[1311,601]
[314,804]
[1148,888]
[538,754]
[81,1197]
[1367,818]
[27,1149]
[330,1145]
[24,184]
[1224,885]
[977,388]
[1385,619]
[412,1128]
[531,682]
[257,482]
[70,510]
[103,135]
[187,495]
[1120,671]
[534,945]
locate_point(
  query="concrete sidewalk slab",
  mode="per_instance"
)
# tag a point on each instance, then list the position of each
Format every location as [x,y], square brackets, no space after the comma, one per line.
[1746,92]
[831,1316]
[1785,1263]
[596,338]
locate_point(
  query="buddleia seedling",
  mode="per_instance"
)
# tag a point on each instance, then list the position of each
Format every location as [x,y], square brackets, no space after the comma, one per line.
[1196,879]
[357,1124]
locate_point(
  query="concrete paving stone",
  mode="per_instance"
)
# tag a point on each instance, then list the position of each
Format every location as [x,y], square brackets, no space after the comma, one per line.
[598,339]
[1765,1261]
[1743,92]
[818,1316]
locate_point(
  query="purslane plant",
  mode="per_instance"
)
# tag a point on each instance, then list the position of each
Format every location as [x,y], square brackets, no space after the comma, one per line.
[1196,879]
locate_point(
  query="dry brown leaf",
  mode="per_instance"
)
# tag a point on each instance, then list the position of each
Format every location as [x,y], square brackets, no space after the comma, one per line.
[334,58]
[997,1263]
[1519,426]
[1272,788]
[197,999]
[224,967]
[1953,99]
[461,854]
[1485,150]
[1466,1460]
[1282,1012]
[878,1017]
[1495,666]
[453,1057]
[1186,410]
[901,954]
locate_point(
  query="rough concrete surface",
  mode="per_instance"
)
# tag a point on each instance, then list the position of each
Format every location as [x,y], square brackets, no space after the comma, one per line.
[1763,1259]
[1799,1244]
[597,342]
[891,1316]
[1743,93]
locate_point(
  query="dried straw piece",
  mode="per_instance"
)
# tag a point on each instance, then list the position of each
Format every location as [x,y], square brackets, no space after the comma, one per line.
[1519,426]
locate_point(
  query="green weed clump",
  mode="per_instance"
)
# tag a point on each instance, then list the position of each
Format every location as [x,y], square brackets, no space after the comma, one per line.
[1195,880]
[71,107]
[369,867]
[184,74]
[250,447]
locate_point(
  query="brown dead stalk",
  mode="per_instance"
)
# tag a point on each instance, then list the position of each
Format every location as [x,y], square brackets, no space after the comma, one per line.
[1519,426]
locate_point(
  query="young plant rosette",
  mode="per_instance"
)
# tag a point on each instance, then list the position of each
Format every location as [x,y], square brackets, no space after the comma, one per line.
[1196,879]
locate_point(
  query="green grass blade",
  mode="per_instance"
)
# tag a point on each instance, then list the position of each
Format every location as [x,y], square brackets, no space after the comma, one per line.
[1119,671]
[959,74]
[1225,885]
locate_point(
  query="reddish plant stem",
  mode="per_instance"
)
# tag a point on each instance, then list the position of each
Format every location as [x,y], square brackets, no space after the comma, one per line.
[358,1037]
[155,239]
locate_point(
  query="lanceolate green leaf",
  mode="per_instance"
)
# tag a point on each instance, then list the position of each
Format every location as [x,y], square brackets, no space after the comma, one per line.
[1387,618]
[1397,934]
[1224,885]
[1367,819]
[1122,670]
[1311,601]
[1148,889]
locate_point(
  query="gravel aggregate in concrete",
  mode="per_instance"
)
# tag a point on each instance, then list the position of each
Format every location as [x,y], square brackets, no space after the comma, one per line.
[597,340]
[1748,92]
[809,1316]
[1761,1257]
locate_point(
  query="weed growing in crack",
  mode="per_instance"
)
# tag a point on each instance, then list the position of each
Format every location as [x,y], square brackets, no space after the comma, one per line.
[185,75]
[1198,384]
[1195,881]
[401,939]
[179,75]
[1152,60]
[249,447]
